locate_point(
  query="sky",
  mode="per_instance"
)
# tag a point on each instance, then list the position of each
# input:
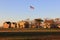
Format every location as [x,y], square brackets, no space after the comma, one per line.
[15,10]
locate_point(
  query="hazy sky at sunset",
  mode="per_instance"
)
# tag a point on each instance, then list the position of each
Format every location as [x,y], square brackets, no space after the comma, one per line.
[14,10]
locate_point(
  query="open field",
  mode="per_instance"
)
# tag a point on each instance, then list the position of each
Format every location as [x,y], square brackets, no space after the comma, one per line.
[29,30]
[40,37]
[30,34]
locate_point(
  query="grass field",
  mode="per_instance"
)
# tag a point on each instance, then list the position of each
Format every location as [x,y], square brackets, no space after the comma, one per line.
[40,37]
[29,30]
[29,34]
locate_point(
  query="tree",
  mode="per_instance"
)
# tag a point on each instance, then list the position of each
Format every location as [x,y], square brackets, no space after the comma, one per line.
[38,22]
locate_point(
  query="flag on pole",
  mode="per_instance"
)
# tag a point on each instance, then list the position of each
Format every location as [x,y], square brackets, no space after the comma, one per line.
[31,7]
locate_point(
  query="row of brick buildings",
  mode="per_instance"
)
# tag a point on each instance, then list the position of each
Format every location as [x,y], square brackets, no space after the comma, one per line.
[36,23]
[20,24]
[9,24]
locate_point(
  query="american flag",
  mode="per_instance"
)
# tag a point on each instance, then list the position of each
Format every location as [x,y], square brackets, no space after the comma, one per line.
[31,7]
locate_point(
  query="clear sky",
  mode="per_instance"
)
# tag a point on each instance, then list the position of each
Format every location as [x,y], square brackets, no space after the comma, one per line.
[15,10]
